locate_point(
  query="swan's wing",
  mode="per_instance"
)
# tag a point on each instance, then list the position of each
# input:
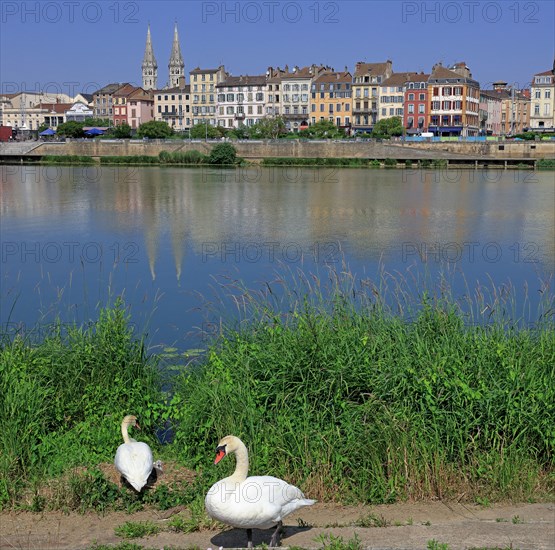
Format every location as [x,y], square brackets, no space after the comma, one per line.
[258,502]
[134,462]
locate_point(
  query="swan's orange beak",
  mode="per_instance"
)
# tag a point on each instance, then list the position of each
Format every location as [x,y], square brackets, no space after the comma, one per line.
[220,453]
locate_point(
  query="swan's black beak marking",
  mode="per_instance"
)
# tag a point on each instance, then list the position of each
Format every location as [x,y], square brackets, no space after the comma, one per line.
[220,453]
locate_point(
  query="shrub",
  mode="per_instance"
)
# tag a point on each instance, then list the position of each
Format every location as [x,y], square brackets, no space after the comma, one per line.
[223,153]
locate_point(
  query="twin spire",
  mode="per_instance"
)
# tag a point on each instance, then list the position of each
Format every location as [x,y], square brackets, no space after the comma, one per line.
[176,65]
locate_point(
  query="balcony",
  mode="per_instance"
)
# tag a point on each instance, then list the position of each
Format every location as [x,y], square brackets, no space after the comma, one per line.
[296,116]
[364,111]
[240,116]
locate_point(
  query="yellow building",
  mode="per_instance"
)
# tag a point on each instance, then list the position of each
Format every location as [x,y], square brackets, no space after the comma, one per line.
[204,94]
[366,83]
[331,99]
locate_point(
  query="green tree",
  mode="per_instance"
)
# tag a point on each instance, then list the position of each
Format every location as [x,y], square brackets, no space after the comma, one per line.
[121,131]
[154,129]
[268,128]
[204,130]
[325,129]
[71,129]
[223,153]
[43,127]
[388,127]
[98,122]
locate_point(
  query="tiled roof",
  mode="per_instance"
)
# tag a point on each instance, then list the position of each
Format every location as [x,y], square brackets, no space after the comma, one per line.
[243,80]
[126,90]
[111,88]
[545,73]
[198,70]
[397,79]
[418,77]
[375,68]
[58,108]
[332,77]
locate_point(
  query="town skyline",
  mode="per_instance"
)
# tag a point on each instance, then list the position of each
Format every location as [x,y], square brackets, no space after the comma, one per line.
[247,37]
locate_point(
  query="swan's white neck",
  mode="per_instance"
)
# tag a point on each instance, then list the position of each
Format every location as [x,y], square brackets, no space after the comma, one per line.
[124,433]
[242,465]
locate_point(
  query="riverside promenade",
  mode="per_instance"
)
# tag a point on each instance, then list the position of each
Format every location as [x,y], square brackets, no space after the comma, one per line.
[479,154]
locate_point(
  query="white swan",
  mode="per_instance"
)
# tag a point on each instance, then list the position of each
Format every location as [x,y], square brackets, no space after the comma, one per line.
[133,458]
[256,502]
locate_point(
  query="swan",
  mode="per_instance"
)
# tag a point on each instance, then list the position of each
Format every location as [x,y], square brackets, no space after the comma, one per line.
[133,458]
[256,502]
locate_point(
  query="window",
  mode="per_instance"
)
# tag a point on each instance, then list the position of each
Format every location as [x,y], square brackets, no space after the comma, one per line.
[411,108]
[538,94]
[421,109]
[384,112]
[536,110]
[411,97]
[547,94]
[347,107]
[321,107]
[546,109]
[421,97]
[391,111]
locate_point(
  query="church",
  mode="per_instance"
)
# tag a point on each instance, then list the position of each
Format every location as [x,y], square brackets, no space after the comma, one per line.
[176,65]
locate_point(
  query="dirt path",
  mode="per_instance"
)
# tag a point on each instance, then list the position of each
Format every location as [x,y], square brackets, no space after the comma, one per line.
[521,526]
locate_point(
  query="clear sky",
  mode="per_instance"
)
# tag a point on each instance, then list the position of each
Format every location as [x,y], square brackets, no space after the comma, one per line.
[81,45]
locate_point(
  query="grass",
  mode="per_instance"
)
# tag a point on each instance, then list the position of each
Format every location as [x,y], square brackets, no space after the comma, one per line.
[136,529]
[332,389]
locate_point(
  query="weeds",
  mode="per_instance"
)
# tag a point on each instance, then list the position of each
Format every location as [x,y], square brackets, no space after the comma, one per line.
[332,542]
[136,529]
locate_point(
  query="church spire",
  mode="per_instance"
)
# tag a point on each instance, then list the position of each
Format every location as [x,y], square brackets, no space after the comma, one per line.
[176,64]
[150,67]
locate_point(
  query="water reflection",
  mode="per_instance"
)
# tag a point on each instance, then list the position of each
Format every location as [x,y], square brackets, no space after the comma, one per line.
[194,223]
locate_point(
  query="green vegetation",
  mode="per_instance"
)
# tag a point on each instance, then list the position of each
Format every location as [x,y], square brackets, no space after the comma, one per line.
[67,159]
[178,157]
[545,164]
[130,159]
[341,395]
[388,127]
[136,529]
[121,131]
[223,153]
[204,130]
[154,129]
[324,129]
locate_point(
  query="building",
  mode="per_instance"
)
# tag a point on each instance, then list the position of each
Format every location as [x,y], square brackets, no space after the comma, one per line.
[176,66]
[274,87]
[241,100]
[454,101]
[366,82]
[542,101]
[173,106]
[515,108]
[149,66]
[295,96]
[331,98]
[490,113]
[416,104]
[78,112]
[103,98]
[203,93]
[133,107]
[392,96]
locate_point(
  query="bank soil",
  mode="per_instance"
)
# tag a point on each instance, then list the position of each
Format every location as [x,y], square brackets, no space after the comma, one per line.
[405,525]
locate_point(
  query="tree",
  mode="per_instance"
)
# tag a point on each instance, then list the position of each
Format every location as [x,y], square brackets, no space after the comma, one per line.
[388,127]
[324,129]
[223,153]
[204,130]
[98,122]
[43,127]
[121,131]
[71,129]
[154,129]
[267,128]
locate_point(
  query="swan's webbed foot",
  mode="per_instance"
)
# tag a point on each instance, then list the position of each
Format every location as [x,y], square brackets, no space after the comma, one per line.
[275,542]
[249,538]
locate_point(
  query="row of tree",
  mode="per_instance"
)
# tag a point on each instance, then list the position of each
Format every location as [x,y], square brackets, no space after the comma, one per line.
[266,128]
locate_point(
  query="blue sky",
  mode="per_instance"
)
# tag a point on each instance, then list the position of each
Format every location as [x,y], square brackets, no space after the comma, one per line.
[69,44]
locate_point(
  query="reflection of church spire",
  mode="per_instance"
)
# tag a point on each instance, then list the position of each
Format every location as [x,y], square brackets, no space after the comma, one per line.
[151,239]
[150,67]
[176,64]
[178,236]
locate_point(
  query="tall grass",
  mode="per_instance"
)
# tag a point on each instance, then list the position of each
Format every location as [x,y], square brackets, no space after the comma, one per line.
[355,402]
[62,400]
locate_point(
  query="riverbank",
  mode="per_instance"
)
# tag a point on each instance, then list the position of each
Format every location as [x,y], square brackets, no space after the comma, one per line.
[456,153]
[428,405]
[433,525]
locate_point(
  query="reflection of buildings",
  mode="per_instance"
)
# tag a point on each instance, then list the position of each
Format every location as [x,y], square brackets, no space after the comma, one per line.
[369,212]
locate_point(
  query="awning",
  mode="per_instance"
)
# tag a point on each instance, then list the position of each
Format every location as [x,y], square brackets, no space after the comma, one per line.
[47,132]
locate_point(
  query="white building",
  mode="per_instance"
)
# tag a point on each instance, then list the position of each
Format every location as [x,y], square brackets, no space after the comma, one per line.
[241,100]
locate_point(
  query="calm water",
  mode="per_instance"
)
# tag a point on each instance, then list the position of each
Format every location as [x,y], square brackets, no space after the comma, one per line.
[167,237]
